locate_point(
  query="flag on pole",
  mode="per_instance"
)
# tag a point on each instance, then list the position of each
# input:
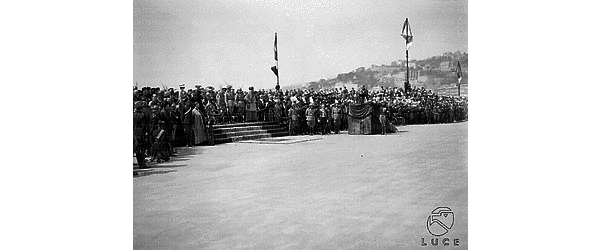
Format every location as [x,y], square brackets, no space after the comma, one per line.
[275,47]
[407,34]
[459,72]
[275,70]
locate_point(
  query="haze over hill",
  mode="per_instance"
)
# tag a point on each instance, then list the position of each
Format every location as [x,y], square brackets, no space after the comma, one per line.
[431,73]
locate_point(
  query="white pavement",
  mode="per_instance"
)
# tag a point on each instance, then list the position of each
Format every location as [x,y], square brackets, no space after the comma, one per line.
[339,192]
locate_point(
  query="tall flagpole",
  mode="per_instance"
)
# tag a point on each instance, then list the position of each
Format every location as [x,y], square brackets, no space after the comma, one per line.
[277,59]
[459,74]
[277,66]
[407,73]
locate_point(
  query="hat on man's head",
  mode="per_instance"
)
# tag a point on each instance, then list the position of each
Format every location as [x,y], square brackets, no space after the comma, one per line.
[251,88]
[182,85]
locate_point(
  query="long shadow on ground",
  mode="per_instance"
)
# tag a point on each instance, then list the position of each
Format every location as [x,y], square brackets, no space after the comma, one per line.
[148,172]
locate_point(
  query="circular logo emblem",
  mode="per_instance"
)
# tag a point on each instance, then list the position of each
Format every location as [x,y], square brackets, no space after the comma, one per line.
[440,221]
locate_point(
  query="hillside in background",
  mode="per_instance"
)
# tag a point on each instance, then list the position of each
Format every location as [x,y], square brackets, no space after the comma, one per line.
[432,73]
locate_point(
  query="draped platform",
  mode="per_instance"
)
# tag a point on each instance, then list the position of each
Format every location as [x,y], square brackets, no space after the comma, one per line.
[363,119]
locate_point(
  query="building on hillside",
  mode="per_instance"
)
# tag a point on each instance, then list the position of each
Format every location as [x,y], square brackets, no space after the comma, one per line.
[446,66]
[387,69]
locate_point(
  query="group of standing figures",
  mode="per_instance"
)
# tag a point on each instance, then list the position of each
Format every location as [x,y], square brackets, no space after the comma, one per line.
[305,119]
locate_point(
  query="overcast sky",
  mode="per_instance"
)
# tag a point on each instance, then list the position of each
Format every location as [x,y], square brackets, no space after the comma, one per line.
[222,42]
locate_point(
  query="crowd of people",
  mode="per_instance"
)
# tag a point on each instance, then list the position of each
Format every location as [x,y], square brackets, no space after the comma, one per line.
[167,118]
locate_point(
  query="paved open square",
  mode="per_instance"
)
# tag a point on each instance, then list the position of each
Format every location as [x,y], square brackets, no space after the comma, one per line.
[338,192]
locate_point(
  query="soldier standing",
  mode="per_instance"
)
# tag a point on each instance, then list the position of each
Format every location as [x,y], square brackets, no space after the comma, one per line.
[139,125]
[345,112]
[153,120]
[188,124]
[310,119]
[293,114]
[383,118]
[230,97]
[323,119]
[251,110]
[329,118]
[241,105]
[278,112]
[165,116]
[221,102]
[336,113]
[302,123]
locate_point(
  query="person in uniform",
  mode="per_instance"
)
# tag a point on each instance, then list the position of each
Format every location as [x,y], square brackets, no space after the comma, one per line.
[294,121]
[270,113]
[139,125]
[182,94]
[278,111]
[345,111]
[164,115]
[337,117]
[436,114]
[134,148]
[260,109]
[383,118]
[188,123]
[241,105]
[330,128]
[153,121]
[211,110]
[147,110]
[160,150]
[251,110]
[323,113]
[222,102]
[302,122]
[230,98]
[310,119]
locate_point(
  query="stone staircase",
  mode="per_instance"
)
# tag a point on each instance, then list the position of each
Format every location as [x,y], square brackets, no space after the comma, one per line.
[247,131]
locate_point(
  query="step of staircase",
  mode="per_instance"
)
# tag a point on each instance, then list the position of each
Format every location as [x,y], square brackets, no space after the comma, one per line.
[250,137]
[242,124]
[245,128]
[247,131]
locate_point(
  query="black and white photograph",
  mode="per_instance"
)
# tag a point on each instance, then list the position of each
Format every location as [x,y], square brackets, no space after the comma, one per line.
[300,124]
